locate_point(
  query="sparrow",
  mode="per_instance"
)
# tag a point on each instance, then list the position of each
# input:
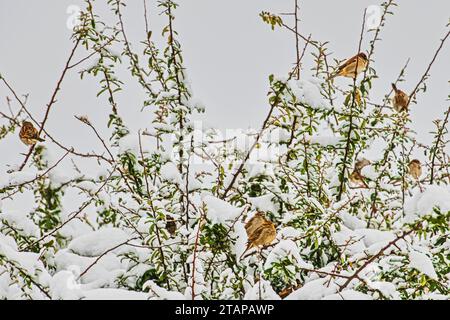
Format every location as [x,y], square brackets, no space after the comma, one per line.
[262,235]
[415,169]
[400,100]
[360,164]
[171,225]
[29,134]
[352,67]
[254,223]
[356,177]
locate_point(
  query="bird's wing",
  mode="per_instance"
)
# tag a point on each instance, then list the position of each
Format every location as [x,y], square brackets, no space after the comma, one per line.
[256,234]
[347,63]
[254,223]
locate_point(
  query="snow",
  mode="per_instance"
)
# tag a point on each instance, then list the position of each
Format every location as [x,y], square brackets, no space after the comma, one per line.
[387,289]
[260,169]
[372,236]
[286,248]
[220,211]
[262,290]
[264,203]
[63,286]
[19,177]
[8,241]
[158,293]
[102,272]
[350,240]
[88,186]
[98,242]
[289,232]
[348,295]
[241,239]
[369,172]
[74,228]
[313,290]
[21,222]
[130,143]
[114,294]
[170,172]
[423,263]
[308,92]
[422,203]
[325,140]
[166,95]
[28,261]
[351,221]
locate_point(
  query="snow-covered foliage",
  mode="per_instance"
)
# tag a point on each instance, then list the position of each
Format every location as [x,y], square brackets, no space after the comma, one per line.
[164,215]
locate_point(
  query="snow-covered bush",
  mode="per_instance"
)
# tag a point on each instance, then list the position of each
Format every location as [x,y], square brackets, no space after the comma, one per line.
[164,215]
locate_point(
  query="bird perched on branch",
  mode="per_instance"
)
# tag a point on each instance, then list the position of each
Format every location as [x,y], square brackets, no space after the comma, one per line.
[415,169]
[360,164]
[352,67]
[254,223]
[400,100]
[29,134]
[356,177]
[260,232]
[171,225]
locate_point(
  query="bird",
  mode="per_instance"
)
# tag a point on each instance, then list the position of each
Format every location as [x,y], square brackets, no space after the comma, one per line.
[171,225]
[254,223]
[352,67]
[361,164]
[263,232]
[415,169]
[358,179]
[28,134]
[400,100]
[262,236]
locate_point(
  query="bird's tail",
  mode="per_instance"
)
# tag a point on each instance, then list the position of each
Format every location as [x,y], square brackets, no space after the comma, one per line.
[249,246]
[40,139]
[394,87]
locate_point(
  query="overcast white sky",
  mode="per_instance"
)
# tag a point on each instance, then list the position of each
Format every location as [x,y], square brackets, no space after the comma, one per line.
[228,52]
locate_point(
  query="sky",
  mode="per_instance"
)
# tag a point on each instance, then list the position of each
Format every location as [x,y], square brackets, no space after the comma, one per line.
[229,53]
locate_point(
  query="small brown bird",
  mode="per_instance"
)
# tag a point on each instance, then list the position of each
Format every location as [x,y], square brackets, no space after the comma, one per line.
[400,100]
[29,134]
[254,223]
[415,169]
[357,179]
[360,164]
[171,225]
[353,66]
[262,235]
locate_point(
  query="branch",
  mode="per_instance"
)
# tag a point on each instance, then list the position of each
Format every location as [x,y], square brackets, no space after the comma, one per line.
[52,99]
[425,75]
[350,129]
[375,256]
